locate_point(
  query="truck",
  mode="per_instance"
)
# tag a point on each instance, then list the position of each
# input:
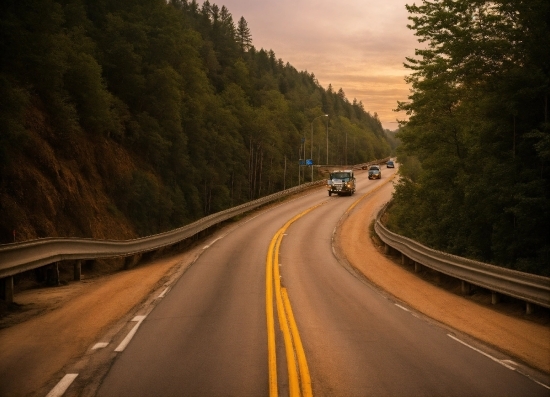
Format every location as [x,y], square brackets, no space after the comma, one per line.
[341,182]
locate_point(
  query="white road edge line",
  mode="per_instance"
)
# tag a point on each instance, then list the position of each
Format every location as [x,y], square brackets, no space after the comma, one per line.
[507,363]
[100,345]
[501,362]
[163,292]
[131,334]
[539,383]
[212,243]
[62,385]
[402,307]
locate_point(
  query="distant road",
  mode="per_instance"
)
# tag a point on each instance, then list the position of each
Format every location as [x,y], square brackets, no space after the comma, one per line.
[208,334]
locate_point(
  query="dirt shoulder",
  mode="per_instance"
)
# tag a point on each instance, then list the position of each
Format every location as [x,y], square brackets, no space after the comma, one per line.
[507,328]
[56,325]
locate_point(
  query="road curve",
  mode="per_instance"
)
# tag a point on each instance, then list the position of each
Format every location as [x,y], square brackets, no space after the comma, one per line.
[208,336]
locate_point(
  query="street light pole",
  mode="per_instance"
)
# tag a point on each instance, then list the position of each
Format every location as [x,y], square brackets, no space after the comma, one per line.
[327,139]
[311,154]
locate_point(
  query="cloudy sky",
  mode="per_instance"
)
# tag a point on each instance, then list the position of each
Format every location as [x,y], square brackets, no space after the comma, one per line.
[356,45]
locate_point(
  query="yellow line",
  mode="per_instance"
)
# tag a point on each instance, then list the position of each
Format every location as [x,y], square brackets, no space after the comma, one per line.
[305,378]
[293,385]
[293,343]
[290,332]
[271,354]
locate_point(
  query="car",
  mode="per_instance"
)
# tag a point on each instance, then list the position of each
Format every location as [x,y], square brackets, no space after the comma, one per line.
[390,164]
[375,172]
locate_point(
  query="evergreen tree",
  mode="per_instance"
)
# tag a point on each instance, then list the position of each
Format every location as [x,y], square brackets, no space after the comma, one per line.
[479,128]
[243,35]
[201,118]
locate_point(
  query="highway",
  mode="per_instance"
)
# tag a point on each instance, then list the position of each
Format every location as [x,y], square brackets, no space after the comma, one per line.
[208,336]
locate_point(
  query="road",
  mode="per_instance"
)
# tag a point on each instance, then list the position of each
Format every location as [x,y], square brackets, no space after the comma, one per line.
[208,333]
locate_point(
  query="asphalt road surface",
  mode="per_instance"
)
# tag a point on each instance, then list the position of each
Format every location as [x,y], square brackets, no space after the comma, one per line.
[208,335]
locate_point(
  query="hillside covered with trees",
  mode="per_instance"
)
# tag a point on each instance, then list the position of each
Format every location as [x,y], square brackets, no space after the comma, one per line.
[124,118]
[475,152]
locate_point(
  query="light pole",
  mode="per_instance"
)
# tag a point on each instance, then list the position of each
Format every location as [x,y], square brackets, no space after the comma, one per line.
[311,154]
[327,139]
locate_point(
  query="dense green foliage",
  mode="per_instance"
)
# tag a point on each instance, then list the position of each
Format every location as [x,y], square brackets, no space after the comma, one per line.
[212,121]
[476,148]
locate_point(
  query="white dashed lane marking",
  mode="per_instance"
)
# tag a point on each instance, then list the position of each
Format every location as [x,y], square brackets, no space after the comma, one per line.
[131,334]
[62,386]
[100,345]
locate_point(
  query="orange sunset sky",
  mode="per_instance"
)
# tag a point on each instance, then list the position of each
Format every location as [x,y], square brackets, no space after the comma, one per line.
[356,45]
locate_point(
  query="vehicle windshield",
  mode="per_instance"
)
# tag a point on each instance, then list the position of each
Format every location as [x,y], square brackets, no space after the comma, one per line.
[374,168]
[340,175]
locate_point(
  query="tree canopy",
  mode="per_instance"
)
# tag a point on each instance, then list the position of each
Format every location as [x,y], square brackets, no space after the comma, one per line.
[475,150]
[208,120]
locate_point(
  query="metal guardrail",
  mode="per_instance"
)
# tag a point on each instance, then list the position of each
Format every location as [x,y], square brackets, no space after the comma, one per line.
[527,287]
[17,258]
[20,257]
[354,166]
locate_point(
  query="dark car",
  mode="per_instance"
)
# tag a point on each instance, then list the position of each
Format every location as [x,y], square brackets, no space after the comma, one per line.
[374,172]
[390,164]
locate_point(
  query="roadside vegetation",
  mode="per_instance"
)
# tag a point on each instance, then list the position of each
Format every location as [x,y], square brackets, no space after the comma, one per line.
[127,118]
[475,152]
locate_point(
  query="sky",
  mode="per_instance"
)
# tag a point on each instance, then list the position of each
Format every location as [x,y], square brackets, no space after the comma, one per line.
[357,45]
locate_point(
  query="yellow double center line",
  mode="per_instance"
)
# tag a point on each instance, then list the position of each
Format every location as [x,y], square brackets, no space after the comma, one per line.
[298,373]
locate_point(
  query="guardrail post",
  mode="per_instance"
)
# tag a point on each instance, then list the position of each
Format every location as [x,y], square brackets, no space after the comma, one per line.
[387,249]
[77,270]
[52,273]
[466,288]
[495,298]
[529,308]
[131,261]
[417,267]
[7,289]
[404,259]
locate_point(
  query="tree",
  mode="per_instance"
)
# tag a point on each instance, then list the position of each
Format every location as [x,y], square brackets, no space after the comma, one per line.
[169,107]
[478,110]
[243,35]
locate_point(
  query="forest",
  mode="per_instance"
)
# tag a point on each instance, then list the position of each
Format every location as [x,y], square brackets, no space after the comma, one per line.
[125,118]
[476,148]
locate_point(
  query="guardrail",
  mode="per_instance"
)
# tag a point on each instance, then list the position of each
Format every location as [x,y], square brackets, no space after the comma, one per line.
[17,258]
[530,288]
[355,166]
